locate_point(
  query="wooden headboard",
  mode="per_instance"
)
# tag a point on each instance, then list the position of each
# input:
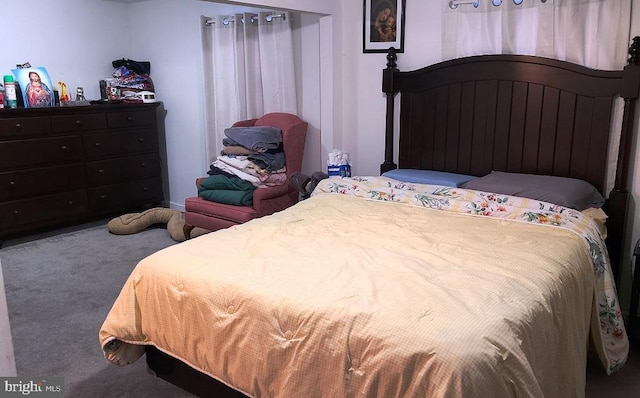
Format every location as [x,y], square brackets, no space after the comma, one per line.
[516,113]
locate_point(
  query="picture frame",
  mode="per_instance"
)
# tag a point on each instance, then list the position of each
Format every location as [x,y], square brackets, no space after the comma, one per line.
[383,25]
[35,86]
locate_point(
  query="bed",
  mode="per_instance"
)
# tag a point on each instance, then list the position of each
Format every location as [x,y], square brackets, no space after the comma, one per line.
[380,287]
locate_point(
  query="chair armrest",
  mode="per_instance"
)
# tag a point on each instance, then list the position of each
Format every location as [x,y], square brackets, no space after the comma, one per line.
[272,199]
[199,180]
[262,193]
[270,192]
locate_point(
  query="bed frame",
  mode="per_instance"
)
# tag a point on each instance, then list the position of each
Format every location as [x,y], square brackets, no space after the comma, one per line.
[495,112]
[517,113]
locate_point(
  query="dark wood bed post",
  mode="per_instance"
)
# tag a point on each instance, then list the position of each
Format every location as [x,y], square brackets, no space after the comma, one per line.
[388,88]
[618,202]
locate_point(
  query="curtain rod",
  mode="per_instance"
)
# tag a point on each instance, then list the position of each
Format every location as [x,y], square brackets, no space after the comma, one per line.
[453,4]
[231,18]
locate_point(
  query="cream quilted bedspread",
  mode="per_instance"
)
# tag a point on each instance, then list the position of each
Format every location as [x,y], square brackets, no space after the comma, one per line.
[340,296]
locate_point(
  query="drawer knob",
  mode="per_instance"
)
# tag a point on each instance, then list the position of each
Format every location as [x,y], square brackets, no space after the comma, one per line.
[64,147]
[70,202]
[130,118]
[16,212]
[140,139]
[12,184]
[100,171]
[78,122]
[145,189]
[103,196]
[18,127]
[97,144]
[143,165]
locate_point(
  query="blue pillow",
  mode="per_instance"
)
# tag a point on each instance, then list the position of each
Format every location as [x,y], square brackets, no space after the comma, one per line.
[431,177]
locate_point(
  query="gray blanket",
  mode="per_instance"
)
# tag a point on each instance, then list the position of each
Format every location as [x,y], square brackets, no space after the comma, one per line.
[258,138]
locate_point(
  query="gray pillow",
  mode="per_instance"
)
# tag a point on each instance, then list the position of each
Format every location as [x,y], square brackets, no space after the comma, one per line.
[568,192]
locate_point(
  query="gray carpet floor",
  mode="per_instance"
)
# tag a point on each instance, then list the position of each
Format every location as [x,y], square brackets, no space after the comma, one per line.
[61,285]
[59,290]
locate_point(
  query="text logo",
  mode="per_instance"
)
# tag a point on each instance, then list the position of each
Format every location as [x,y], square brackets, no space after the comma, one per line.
[40,387]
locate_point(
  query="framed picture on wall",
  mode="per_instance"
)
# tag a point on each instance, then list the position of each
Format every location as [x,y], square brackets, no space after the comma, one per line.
[383,25]
[36,87]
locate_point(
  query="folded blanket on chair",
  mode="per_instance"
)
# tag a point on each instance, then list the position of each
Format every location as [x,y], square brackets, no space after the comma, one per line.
[268,161]
[222,189]
[258,138]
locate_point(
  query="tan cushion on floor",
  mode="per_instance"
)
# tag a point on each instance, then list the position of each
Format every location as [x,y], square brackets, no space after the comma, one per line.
[135,222]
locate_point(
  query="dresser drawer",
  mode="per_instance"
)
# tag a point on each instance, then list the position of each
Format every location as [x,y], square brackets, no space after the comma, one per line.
[127,194]
[36,182]
[23,127]
[79,122]
[42,209]
[105,172]
[46,151]
[109,144]
[130,119]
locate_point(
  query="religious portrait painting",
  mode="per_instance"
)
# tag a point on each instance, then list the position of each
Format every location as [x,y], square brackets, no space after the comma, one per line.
[383,25]
[35,86]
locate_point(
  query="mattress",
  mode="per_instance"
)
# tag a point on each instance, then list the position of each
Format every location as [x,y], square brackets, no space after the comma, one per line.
[378,288]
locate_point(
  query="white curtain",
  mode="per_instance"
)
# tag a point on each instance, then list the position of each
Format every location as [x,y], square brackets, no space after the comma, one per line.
[593,33]
[248,70]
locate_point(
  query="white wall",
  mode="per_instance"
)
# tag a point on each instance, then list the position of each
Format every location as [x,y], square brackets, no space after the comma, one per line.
[75,42]
[364,103]
[167,33]
[307,46]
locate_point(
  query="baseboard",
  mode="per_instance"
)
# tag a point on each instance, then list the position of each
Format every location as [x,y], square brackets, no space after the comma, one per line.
[176,206]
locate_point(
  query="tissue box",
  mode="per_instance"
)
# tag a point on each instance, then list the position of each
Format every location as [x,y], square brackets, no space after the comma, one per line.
[343,170]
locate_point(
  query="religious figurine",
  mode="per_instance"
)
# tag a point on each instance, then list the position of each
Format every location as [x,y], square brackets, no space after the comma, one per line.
[64,97]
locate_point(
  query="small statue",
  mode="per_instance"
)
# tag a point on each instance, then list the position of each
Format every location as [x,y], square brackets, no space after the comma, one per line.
[64,97]
[80,94]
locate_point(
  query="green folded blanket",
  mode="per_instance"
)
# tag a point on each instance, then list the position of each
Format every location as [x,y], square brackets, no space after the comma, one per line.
[231,191]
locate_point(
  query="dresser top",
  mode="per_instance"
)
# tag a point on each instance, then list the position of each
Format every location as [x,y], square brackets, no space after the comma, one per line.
[59,110]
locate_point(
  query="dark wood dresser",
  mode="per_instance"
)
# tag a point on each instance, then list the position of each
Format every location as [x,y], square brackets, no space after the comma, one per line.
[68,164]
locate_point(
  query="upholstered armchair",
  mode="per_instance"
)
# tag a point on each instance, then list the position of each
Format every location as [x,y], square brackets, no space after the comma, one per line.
[212,216]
